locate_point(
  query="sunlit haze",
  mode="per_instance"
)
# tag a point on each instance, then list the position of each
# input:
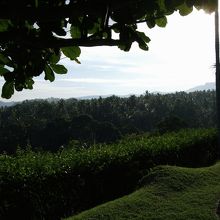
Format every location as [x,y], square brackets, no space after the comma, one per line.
[180,56]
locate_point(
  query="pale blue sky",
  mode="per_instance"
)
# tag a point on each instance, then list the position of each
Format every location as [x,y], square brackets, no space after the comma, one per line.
[180,57]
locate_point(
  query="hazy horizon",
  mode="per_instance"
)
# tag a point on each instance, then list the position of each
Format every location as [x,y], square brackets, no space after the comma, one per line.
[108,95]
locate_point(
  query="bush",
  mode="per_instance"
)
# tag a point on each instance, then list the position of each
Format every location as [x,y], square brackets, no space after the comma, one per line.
[51,186]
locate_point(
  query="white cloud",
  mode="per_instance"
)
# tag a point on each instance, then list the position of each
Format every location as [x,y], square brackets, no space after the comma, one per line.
[95,80]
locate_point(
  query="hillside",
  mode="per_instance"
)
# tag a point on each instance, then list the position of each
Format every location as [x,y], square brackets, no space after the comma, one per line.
[7,104]
[167,193]
[205,87]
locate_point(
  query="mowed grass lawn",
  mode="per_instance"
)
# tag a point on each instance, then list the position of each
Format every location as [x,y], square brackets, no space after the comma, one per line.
[167,193]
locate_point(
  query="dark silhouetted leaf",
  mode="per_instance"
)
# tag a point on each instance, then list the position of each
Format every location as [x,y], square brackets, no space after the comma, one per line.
[161,22]
[5,60]
[71,52]
[8,90]
[29,83]
[75,32]
[59,69]
[125,47]
[170,4]
[143,46]
[184,9]
[143,37]
[142,40]
[3,70]
[151,23]
[54,58]
[96,27]
[49,74]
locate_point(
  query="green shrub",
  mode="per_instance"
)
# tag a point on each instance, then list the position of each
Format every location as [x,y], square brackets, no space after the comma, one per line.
[51,186]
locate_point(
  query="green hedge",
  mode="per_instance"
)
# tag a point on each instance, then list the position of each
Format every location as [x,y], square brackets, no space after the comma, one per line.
[51,186]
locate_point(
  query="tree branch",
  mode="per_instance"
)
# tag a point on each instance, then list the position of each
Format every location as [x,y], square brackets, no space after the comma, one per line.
[8,36]
[74,42]
[59,42]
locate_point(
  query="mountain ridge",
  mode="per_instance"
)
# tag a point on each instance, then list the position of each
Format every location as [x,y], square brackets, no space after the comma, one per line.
[207,86]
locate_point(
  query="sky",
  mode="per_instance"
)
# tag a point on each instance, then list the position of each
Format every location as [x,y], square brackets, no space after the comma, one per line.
[180,56]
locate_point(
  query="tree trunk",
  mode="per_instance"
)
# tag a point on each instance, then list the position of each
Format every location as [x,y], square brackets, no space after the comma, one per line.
[217,74]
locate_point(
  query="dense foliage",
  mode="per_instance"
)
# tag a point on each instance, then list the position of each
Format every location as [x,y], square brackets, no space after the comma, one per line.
[32,33]
[51,124]
[48,186]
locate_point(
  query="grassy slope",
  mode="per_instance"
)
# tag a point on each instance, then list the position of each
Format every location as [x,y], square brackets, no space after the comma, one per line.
[167,193]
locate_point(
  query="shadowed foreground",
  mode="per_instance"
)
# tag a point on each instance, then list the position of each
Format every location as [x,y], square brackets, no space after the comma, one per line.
[168,192]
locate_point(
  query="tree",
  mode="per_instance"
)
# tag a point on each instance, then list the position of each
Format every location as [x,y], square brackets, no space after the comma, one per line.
[33,34]
[106,132]
[171,123]
[217,74]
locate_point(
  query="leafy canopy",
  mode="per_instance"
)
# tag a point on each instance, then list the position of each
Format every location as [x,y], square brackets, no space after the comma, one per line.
[34,33]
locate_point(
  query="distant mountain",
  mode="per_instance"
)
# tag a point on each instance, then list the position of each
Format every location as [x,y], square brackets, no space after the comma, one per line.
[104,96]
[7,104]
[51,99]
[207,86]
[92,97]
